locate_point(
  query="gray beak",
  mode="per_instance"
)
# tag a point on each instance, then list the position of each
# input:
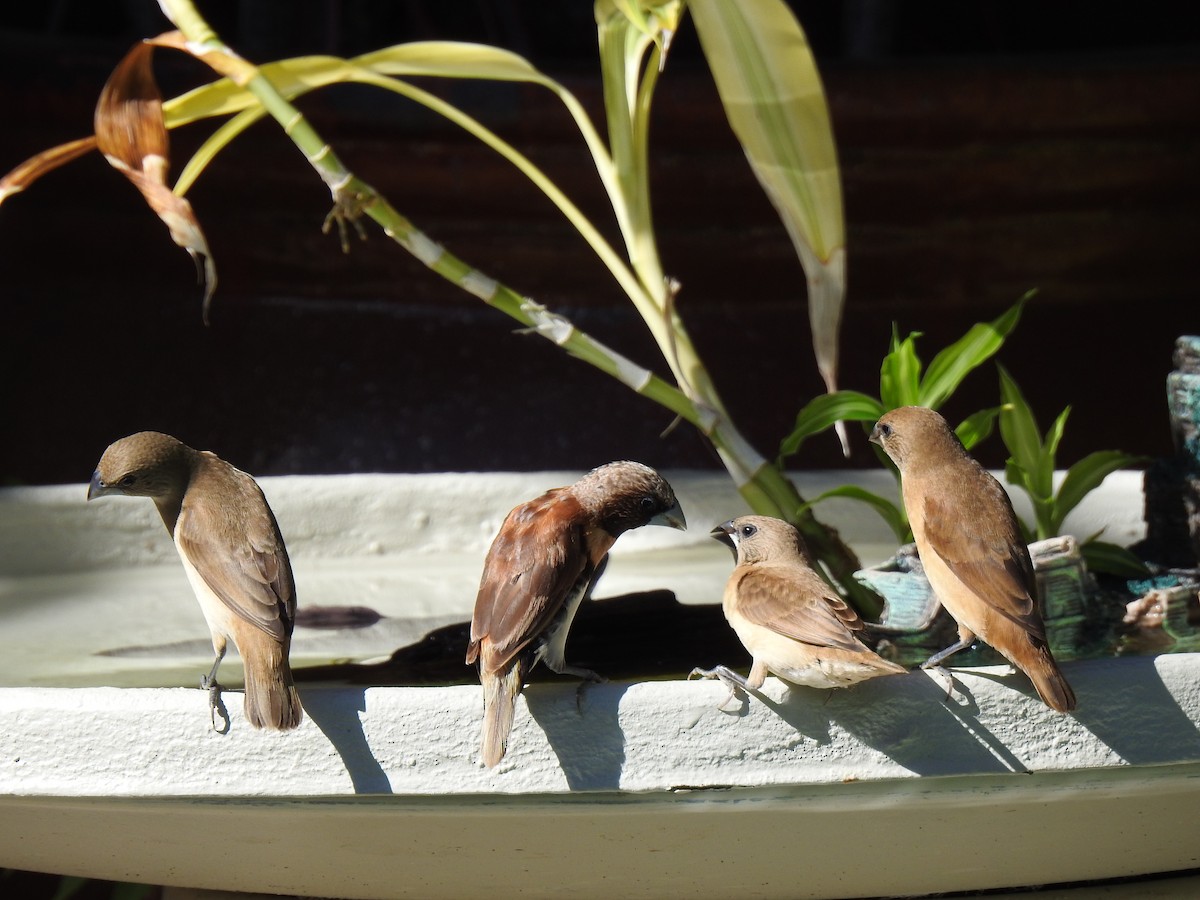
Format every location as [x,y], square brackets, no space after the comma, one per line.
[876,437]
[672,518]
[724,534]
[97,487]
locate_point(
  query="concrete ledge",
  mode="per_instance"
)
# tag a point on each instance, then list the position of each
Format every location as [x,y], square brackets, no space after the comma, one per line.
[645,790]
[650,736]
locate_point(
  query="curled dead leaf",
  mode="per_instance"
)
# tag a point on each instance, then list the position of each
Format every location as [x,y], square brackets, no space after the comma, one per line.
[47,161]
[132,134]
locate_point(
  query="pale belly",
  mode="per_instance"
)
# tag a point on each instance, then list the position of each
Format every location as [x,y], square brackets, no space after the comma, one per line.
[804,664]
[217,614]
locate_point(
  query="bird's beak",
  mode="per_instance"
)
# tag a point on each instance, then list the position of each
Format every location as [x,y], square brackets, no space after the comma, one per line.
[97,487]
[672,518]
[724,534]
[875,437]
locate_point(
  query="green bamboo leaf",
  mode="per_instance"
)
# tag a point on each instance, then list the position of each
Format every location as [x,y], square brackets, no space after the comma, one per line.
[1015,475]
[893,514]
[824,411]
[213,145]
[1019,430]
[624,42]
[1086,475]
[441,59]
[947,370]
[1054,436]
[773,97]
[900,374]
[1112,559]
[977,427]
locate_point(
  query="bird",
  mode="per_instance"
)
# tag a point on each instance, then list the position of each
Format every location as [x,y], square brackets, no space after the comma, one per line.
[543,562]
[234,557]
[970,544]
[792,622]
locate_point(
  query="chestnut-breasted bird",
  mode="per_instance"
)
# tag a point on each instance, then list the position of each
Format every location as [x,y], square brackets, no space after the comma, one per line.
[541,565]
[793,623]
[232,552]
[971,547]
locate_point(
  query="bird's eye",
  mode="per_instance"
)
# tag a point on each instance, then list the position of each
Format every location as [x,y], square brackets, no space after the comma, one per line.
[647,504]
[885,430]
[127,480]
[748,531]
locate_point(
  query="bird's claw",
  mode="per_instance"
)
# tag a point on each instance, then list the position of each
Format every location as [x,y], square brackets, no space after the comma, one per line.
[216,706]
[736,684]
[944,674]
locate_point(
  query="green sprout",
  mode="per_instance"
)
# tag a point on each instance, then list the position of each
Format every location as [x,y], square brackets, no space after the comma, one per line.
[1031,466]
[902,383]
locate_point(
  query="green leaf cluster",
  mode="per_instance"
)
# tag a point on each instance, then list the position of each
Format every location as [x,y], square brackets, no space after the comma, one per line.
[903,381]
[1031,466]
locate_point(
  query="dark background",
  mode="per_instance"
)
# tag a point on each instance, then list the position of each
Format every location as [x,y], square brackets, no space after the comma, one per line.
[987,148]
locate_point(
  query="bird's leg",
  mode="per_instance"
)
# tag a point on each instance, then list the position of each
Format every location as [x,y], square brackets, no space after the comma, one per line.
[586,676]
[935,662]
[209,683]
[731,679]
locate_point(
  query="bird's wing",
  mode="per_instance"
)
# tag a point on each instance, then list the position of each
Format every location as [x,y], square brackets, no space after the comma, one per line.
[797,604]
[982,546]
[535,560]
[235,545]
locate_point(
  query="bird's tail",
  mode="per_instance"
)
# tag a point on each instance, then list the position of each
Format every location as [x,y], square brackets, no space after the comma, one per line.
[1050,682]
[500,692]
[271,698]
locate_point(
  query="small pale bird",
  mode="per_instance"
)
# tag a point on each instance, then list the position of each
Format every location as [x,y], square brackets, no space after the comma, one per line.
[793,623]
[971,547]
[542,564]
[233,555]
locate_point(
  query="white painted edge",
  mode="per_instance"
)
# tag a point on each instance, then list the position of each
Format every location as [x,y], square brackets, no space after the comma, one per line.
[649,736]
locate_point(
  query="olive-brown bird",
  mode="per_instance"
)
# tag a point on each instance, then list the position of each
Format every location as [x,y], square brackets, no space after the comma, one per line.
[542,564]
[971,547]
[793,623]
[233,554]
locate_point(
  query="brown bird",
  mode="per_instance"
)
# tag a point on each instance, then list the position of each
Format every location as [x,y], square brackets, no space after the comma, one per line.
[793,623]
[971,547]
[233,554]
[543,562]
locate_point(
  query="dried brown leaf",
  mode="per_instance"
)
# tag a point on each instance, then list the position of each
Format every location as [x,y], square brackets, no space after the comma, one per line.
[47,161]
[132,135]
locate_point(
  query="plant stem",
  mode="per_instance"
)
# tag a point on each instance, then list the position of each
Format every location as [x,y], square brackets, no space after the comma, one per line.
[762,484]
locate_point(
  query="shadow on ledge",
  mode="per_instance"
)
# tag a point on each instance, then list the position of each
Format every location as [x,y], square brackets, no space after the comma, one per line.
[640,636]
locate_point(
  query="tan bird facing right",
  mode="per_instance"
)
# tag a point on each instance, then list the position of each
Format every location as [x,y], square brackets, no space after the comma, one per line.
[971,547]
[792,622]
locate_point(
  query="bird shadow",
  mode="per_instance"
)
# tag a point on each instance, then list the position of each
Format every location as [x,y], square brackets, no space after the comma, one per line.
[1126,705]
[340,722]
[901,717]
[583,730]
